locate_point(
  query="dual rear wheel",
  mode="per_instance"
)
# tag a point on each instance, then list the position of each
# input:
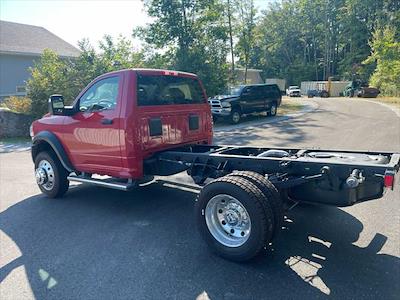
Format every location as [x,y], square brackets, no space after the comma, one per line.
[239,215]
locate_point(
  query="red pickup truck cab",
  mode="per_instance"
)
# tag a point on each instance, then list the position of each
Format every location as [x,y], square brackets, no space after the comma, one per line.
[123,117]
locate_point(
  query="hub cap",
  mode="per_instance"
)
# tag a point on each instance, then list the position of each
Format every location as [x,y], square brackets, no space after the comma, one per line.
[228,220]
[236,117]
[273,109]
[44,175]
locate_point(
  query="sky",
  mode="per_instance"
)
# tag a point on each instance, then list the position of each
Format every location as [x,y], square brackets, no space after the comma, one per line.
[74,20]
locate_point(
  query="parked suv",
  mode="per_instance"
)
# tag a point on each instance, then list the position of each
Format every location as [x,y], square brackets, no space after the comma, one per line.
[246,99]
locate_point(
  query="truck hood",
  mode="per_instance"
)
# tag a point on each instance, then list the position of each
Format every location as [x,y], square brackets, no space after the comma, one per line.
[225,97]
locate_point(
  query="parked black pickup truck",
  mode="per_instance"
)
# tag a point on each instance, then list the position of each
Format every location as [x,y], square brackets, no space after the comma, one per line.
[246,99]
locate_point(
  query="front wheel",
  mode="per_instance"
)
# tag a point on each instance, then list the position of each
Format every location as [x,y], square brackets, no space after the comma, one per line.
[235,116]
[51,176]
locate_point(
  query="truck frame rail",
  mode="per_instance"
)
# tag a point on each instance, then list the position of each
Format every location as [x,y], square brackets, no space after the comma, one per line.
[335,177]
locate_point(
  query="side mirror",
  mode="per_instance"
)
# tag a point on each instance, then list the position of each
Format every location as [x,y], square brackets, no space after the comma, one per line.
[56,105]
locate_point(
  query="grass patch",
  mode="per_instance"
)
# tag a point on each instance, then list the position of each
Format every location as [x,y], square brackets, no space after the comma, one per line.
[395,101]
[15,140]
[289,108]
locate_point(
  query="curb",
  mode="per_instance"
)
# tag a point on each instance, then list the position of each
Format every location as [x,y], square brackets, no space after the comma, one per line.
[17,147]
[308,107]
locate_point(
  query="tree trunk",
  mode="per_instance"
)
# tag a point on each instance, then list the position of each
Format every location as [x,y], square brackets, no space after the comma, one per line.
[231,44]
[184,49]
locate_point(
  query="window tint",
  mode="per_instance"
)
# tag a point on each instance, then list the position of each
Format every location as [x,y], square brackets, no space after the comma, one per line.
[166,90]
[260,91]
[272,91]
[100,96]
[248,90]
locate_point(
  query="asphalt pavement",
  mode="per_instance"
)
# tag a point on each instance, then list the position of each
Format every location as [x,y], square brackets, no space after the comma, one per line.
[97,243]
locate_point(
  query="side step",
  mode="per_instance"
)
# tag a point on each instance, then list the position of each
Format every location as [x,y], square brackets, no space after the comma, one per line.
[105,183]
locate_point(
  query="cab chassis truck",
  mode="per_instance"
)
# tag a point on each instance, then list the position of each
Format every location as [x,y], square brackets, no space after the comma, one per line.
[136,123]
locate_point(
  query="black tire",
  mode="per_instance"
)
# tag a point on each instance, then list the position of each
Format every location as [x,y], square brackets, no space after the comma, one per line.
[61,183]
[235,116]
[271,194]
[273,110]
[257,207]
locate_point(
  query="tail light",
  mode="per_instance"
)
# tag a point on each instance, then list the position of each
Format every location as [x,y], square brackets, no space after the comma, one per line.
[389,179]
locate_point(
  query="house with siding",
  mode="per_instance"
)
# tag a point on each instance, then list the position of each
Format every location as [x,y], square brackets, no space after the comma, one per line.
[20,46]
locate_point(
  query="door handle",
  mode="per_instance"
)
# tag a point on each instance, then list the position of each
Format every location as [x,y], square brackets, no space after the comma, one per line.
[106,121]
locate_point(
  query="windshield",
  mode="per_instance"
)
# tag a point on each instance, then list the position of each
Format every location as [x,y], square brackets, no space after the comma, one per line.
[234,91]
[295,87]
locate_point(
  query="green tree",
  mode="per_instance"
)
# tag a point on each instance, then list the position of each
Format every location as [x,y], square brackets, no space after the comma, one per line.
[246,25]
[52,74]
[386,54]
[280,47]
[193,33]
[49,76]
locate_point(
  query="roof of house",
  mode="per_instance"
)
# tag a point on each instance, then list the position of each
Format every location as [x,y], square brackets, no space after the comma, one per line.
[32,40]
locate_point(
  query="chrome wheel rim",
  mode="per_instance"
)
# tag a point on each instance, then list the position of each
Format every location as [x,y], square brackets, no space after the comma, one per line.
[236,117]
[273,110]
[228,220]
[44,175]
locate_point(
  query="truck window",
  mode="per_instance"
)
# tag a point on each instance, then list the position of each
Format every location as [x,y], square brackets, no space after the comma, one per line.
[100,96]
[272,91]
[260,91]
[167,90]
[248,91]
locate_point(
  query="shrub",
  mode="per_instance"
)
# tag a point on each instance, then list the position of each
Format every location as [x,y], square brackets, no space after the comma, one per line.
[18,104]
[386,53]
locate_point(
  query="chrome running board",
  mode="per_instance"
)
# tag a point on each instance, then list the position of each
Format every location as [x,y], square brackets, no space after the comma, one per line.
[113,185]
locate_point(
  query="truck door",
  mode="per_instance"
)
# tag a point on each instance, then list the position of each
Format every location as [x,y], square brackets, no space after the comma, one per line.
[246,99]
[172,110]
[251,99]
[272,96]
[92,135]
[261,97]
